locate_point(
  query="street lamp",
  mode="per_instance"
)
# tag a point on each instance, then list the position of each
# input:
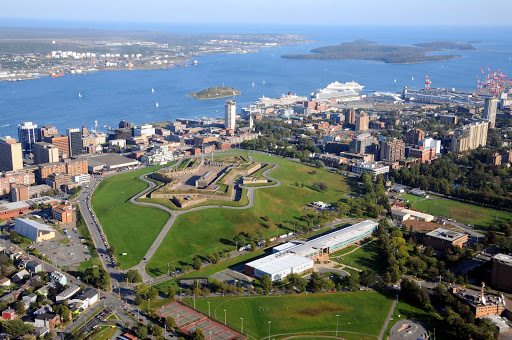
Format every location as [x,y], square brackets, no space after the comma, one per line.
[337,318]
[224,316]
[208,302]
[210,334]
[242,325]
[269,330]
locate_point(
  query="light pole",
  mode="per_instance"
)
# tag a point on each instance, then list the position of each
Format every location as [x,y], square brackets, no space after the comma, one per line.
[224,317]
[242,325]
[337,318]
[208,302]
[194,301]
[178,320]
[269,330]
[210,334]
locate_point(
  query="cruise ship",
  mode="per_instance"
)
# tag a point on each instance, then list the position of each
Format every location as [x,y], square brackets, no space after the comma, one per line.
[339,91]
[395,97]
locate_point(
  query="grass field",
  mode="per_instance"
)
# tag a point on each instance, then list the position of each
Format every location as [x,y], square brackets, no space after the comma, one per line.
[201,232]
[105,334]
[366,257]
[479,217]
[360,312]
[131,228]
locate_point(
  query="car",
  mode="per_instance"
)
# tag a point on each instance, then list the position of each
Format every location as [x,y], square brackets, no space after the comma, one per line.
[141,320]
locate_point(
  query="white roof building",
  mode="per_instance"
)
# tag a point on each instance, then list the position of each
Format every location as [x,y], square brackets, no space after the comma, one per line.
[280,265]
[34,230]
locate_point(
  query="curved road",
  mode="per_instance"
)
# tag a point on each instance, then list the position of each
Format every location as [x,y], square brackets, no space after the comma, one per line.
[141,267]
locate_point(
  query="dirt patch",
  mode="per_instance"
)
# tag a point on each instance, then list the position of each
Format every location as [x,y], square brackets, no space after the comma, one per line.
[325,308]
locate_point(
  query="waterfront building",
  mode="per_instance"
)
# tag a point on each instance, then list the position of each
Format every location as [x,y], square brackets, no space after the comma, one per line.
[147,130]
[27,135]
[490,109]
[62,144]
[45,153]
[11,156]
[46,132]
[230,114]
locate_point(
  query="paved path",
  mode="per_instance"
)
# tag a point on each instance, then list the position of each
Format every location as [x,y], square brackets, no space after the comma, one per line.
[141,267]
[390,314]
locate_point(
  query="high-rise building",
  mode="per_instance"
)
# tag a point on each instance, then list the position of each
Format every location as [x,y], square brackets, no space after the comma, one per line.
[393,150]
[350,116]
[414,136]
[75,141]
[470,136]
[251,121]
[362,122]
[62,144]
[490,109]
[361,143]
[45,153]
[46,132]
[431,143]
[230,114]
[27,135]
[11,155]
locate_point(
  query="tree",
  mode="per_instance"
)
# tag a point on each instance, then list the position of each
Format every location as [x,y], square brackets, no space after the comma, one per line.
[368,278]
[171,293]
[138,300]
[19,307]
[322,186]
[133,276]
[16,328]
[252,245]
[351,282]
[142,332]
[197,263]
[315,282]
[266,283]
[63,311]
[113,249]
[239,240]
[197,335]
[14,236]
[169,322]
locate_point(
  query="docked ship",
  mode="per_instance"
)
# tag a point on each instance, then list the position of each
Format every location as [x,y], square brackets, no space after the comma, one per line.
[339,91]
[395,97]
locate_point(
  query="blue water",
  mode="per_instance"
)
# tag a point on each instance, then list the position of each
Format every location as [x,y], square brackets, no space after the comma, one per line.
[112,96]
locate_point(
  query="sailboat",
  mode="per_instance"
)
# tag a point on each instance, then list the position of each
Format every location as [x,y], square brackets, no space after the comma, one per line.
[395,80]
[79,95]
[253,84]
[412,78]
[157,105]
[152,90]
[263,82]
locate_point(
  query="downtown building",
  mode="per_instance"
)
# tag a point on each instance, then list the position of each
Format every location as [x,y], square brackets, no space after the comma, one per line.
[470,136]
[11,155]
[27,135]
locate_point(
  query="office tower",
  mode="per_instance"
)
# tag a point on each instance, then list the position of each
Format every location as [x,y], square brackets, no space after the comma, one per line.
[45,153]
[414,136]
[392,150]
[362,122]
[46,132]
[62,144]
[362,143]
[490,109]
[251,121]
[11,155]
[27,135]
[75,141]
[350,117]
[230,114]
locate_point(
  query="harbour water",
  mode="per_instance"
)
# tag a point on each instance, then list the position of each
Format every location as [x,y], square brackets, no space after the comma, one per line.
[109,97]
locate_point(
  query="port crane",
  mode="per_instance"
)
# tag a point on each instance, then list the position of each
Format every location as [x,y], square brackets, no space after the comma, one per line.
[427,82]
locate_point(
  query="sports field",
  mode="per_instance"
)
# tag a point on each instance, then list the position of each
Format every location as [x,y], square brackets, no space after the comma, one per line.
[131,228]
[202,232]
[360,312]
[479,217]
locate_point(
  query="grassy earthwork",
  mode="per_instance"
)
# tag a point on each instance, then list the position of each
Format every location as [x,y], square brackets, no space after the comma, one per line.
[202,232]
[131,228]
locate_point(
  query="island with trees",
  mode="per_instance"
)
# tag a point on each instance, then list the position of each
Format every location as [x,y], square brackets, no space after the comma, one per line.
[215,92]
[369,50]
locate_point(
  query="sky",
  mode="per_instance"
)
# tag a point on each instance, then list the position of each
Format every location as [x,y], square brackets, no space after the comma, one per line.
[286,12]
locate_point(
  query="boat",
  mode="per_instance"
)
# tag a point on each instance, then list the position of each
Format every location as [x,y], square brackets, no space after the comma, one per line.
[395,97]
[263,82]
[152,90]
[157,104]
[412,78]
[253,84]
[54,75]
[195,62]
[395,80]
[348,90]
[6,125]
[79,95]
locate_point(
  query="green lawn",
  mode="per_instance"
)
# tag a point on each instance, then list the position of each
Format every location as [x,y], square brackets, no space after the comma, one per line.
[479,217]
[201,232]
[105,334]
[366,257]
[360,312]
[131,228]
[411,198]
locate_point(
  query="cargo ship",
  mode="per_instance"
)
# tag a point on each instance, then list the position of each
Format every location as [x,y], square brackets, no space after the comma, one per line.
[55,75]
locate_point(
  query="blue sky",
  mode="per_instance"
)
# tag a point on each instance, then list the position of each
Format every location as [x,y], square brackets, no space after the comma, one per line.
[327,12]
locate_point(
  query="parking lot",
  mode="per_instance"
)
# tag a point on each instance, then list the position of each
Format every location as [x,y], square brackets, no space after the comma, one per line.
[62,252]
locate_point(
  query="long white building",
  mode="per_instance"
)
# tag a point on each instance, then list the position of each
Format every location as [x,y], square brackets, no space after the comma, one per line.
[299,258]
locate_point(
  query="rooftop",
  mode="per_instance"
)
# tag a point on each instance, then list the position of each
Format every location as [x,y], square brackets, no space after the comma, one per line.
[109,160]
[278,262]
[36,224]
[503,258]
[446,234]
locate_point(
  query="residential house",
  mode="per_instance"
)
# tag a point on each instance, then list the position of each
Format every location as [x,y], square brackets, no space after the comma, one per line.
[5,281]
[9,314]
[34,267]
[19,276]
[49,320]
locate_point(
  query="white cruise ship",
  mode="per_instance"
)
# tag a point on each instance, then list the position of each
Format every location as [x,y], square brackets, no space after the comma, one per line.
[385,95]
[343,92]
